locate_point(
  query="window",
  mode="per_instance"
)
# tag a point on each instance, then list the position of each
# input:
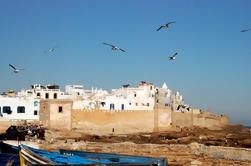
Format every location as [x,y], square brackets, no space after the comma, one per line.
[35,103]
[147,104]
[55,96]
[112,106]
[47,95]
[7,109]
[38,94]
[20,109]
[1,115]
[136,104]
[166,104]
[135,95]
[122,106]
[35,112]
[60,109]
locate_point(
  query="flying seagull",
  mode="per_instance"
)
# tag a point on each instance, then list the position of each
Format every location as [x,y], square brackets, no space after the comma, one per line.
[15,69]
[165,25]
[245,30]
[113,47]
[51,50]
[173,57]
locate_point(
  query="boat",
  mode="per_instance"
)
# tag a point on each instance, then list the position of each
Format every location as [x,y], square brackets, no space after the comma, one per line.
[9,154]
[31,156]
[119,159]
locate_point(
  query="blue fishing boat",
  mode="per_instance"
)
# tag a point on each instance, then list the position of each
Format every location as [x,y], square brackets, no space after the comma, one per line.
[114,158]
[9,154]
[31,156]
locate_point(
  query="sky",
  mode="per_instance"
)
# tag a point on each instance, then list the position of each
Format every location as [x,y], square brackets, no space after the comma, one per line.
[212,70]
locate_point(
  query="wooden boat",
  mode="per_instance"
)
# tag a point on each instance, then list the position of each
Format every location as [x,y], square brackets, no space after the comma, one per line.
[9,155]
[7,148]
[119,159]
[31,156]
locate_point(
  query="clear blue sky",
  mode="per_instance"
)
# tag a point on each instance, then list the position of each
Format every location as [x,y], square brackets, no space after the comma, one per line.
[212,70]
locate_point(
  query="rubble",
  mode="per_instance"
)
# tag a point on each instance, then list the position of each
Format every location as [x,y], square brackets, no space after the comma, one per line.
[28,131]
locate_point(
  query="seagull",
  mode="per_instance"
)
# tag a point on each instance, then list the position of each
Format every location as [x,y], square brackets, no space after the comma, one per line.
[113,47]
[51,50]
[165,25]
[245,30]
[15,69]
[173,57]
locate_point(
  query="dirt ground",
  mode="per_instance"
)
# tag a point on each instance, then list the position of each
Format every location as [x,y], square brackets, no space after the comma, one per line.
[229,136]
[172,145]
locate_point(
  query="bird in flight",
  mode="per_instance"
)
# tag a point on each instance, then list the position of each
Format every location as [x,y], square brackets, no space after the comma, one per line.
[173,57]
[165,25]
[15,70]
[51,50]
[113,47]
[245,30]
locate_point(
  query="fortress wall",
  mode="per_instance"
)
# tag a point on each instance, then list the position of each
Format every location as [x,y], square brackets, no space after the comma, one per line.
[120,122]
[54,118]
[204,119]
[182,119]
[209,121]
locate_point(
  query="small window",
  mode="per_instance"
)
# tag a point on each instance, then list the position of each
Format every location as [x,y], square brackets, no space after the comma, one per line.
[47,95]
[136,104]
[112,106]
[166,104]
[60,109]
[147,104]
[7,110]
[35,112]
[38,94]
[135,95]
[55,96]
[20,109]
[130,103]
[35,103]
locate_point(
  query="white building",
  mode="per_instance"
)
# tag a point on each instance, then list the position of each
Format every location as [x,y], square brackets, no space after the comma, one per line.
[127,98]
[19,108]
[25,105]
[83,98]
[43,92]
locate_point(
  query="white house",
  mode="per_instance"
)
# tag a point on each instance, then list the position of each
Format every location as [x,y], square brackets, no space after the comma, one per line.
[19,108]
[43,92]
[127,98]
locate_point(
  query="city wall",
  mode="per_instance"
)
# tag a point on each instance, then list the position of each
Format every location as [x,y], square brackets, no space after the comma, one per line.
[120,122]
[201,119]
